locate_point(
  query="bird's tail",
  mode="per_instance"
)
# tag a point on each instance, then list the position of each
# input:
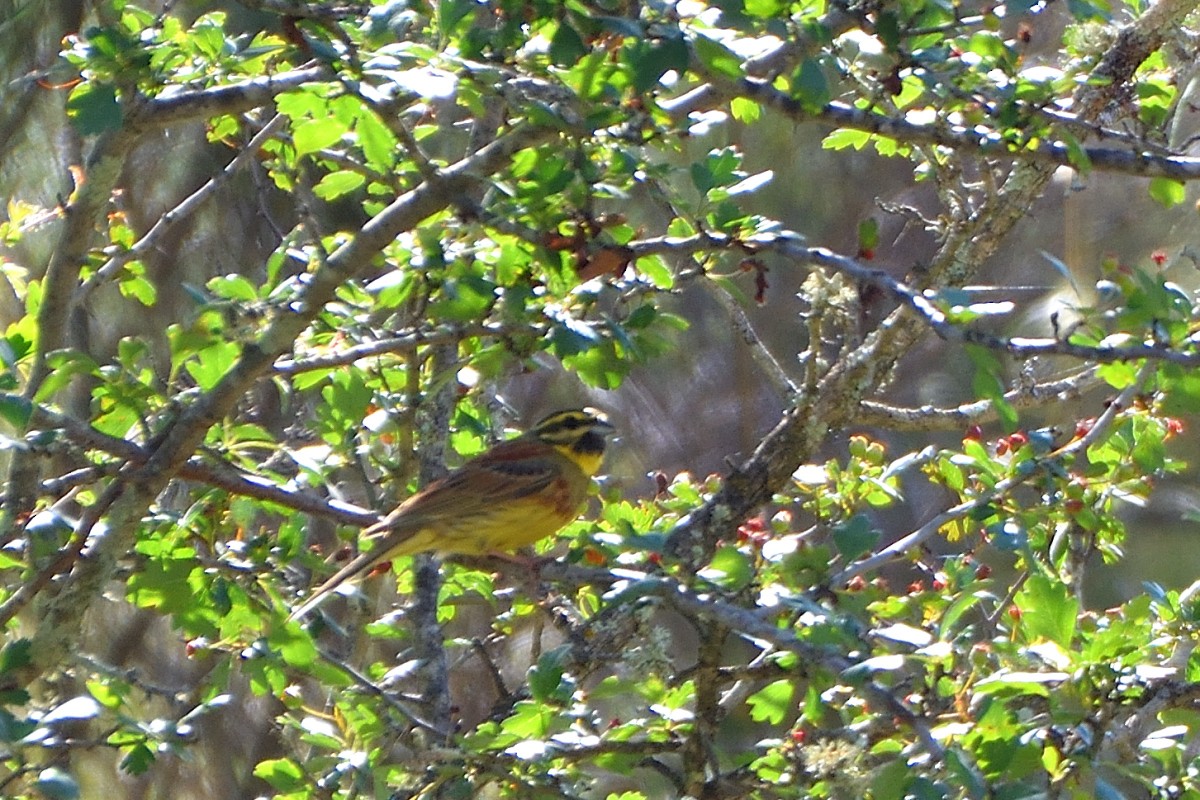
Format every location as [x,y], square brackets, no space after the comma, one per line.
[358,565]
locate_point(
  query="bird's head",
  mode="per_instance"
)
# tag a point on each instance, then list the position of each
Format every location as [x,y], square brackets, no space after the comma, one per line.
[579,433]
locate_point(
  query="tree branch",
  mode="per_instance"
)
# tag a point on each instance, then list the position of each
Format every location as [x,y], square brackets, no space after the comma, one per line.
[804,427]
[878,414]
[903,545]
[62,613]
[173,217]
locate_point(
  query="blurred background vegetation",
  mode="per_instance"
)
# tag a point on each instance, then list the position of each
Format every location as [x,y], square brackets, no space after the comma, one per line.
[700,406]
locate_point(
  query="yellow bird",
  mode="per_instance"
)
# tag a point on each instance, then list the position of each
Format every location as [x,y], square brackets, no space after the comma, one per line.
[510,496]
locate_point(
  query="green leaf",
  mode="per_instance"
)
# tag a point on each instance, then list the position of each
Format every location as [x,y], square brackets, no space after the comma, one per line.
[571,337]
[233,287]
[745,111]
[105,694]
[988,385]
[13,729]
[1181,389]
[139,288]
[890,781]
[14,656]
[717,57]
[810,87]
[282,773]
[651,60]
[868,234]
[64,366]
[842,138]
[887,28]
[967,778]
[336,184]
[1168,192]
[15,410]
[93,108]
[313,135]
[213,363]
[765,9]
[377,141]
[529,720]
[655,268]
[138,759]
[855,537]
[463,300]
[546,678]
[1118,374]
[296,648]
[346,399]
[1048,610]
[730,569]
[566,46]
[1077,154]
[772,702]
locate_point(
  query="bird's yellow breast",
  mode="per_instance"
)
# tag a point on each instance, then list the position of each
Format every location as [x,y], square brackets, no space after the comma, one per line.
[508,527]
[588,462]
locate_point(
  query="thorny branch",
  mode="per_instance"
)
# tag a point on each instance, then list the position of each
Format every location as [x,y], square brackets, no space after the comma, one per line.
[966,245]
[62,613]
[913,540]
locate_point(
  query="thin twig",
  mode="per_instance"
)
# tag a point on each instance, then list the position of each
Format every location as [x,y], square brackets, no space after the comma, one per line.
[875,413]
[167,222]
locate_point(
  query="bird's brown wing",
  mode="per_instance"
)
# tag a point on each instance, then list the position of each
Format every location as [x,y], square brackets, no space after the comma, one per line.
[509,471]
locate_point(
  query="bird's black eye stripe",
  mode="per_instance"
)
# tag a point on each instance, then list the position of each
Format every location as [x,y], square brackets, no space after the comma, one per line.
[566,427]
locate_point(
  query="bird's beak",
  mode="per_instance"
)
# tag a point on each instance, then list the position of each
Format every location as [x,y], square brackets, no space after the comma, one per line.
[603,426]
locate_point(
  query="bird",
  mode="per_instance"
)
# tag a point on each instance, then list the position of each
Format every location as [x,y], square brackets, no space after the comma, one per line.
[507,497]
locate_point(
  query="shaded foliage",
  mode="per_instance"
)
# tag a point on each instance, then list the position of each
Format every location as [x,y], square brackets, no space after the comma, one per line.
[433,200]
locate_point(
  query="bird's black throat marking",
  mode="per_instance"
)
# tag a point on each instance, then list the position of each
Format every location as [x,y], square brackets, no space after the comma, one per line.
[591,443]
